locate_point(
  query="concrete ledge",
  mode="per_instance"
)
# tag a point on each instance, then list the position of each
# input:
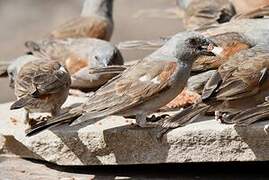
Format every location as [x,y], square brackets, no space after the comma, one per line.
[114,140]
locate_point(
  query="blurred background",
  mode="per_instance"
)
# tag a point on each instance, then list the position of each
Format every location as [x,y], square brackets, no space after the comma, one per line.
[33,19]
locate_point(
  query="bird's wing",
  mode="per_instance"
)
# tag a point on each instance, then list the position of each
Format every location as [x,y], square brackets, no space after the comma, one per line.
[238,79]
[134,86]
[43,78]
[82,27]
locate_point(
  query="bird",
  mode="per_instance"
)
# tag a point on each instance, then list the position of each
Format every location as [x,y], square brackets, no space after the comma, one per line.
[95,21]
[199,13]
[41,86]
[144,87]
[77,55]
[239,84]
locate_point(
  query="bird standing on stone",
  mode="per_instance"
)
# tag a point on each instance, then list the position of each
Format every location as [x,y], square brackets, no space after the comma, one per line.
[144,87]
[200,13]
[239,84]
[78,56]
[41,86]
[95,21]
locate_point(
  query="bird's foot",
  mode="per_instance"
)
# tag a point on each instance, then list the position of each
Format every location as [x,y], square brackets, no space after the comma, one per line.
[223,117]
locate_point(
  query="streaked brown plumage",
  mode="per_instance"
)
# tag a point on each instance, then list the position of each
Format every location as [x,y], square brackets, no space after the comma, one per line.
[199,13]
[95,22]
[144,87]
[41,86]
[78,56]
[239,84]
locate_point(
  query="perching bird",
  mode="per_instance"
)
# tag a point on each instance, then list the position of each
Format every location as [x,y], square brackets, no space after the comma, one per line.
[199,13]
[239,84]
[95,21]
[144,87]
[78,56]
[41,86]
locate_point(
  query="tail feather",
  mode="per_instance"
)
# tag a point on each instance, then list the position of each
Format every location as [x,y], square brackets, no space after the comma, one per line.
[251,115]
[182,118]
[3,68]
[35,49]
[142,44]
[20,103]
[113,69]
[64,118]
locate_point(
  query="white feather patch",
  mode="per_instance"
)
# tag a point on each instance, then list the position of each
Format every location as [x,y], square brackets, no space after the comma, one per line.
[144,78]
[62,69]
[217,50]
[156,80]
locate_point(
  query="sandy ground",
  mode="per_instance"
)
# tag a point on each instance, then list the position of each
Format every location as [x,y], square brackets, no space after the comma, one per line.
[33,19]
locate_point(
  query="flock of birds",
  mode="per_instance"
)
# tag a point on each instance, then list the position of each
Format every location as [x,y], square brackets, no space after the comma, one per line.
[232,46]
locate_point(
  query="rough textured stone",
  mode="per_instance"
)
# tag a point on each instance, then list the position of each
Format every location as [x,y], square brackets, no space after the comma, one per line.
[114,140]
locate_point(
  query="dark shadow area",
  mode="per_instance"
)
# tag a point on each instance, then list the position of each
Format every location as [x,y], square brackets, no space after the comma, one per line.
[208,170]
[256,138]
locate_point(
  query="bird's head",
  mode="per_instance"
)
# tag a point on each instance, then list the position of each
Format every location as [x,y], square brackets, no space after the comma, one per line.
[187,47]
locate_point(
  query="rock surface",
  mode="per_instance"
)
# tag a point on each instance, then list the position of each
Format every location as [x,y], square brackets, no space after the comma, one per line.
[114,140]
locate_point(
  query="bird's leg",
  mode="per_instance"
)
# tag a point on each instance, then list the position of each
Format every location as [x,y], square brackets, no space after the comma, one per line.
[141,121]
[27,117]
[224,117]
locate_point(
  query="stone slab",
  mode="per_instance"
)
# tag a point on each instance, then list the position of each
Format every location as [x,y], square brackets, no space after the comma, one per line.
[115,140]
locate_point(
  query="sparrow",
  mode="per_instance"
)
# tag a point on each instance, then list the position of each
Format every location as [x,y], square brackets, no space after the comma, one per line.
[239,84]
[199,13]
[95,21]
[78,56]
[233,36]
[41,86]
[144,87]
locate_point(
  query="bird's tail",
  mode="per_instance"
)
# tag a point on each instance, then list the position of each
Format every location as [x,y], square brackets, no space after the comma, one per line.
[113,69]
[182,118]
[67,117]
[251,115]
[3,67]
[34,48]
[143,44]
[20,103]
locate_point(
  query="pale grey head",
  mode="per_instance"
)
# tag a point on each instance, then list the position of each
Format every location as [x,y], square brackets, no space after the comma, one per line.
[185,47]
[102,8]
